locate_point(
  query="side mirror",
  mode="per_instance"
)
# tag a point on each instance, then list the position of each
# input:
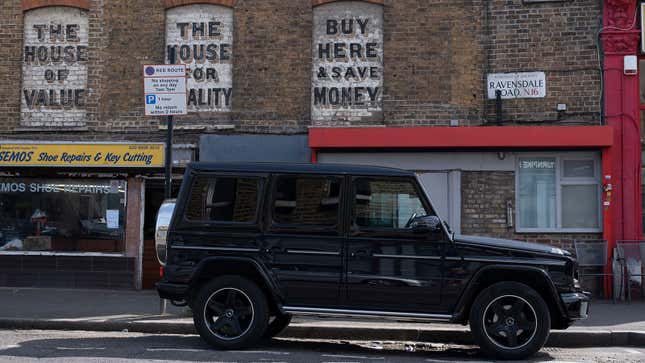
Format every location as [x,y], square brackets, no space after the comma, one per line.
[426,224]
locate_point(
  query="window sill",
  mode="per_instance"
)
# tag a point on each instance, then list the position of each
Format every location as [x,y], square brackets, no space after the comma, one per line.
[51,253]
[561,230]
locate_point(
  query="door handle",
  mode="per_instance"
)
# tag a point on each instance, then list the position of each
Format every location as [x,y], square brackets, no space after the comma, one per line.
[272,250]
[359,254]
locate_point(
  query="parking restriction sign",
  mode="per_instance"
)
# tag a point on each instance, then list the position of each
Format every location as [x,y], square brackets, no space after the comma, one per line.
[165,89]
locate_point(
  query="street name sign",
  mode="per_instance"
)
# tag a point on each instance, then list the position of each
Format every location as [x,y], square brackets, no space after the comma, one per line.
[165,89]
[517,85]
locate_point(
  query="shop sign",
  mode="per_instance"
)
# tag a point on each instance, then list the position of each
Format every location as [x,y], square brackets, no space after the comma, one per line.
[140,155]
[200,36]
[537,164]
[347,62]
[164,87]
[54,67]
[517,85]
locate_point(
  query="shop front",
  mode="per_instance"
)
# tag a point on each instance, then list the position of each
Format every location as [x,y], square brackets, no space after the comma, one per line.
[539,184]
[71,214]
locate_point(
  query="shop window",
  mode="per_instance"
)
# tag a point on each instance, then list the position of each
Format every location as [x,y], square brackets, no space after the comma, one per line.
[223,199]
[385,203]
[306,201]
[62,215]
[558,193]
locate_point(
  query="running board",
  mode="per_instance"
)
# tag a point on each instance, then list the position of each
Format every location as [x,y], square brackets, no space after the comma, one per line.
[390,315]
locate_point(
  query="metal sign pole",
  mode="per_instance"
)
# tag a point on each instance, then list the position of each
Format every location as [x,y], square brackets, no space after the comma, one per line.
[168,182]
[163,303]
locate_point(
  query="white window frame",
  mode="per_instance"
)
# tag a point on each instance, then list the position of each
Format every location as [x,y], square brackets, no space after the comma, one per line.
[559,182]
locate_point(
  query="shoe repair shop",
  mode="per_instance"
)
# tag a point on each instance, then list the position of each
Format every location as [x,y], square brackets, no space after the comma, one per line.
[71,214]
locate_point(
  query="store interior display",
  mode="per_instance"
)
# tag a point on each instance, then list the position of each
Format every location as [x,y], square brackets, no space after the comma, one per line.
[64,215]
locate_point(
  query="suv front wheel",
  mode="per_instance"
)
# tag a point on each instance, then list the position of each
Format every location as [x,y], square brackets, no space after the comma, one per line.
[231,312]
[510,320]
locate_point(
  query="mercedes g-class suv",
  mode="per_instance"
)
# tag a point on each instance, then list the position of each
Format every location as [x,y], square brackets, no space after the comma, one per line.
[248,245]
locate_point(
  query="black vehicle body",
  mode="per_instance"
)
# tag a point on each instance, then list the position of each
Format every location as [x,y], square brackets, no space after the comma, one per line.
[348,271]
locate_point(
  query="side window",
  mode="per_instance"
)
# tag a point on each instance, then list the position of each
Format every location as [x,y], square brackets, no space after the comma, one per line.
[223,199]
[306,200]
[385,203]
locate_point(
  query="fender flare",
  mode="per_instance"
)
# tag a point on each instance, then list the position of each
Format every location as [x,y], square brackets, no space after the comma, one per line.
[274,289]
[461,315]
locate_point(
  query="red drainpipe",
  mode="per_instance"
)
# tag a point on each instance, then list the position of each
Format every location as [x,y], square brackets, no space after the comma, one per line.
[622,217]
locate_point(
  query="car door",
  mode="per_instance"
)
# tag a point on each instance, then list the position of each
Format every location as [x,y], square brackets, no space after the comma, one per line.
[390,266]
[303,239]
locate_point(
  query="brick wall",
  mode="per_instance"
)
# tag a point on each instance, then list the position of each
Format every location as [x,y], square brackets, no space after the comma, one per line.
[436,54]
[484,195]
[558,38]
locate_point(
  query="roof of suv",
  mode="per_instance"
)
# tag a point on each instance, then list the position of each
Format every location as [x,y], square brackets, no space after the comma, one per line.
[299,168]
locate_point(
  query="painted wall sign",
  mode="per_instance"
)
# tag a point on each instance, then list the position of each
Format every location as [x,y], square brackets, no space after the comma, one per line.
[517,85]
[201,37]
[140,155]
[164,88]
[54,67]
[347,74]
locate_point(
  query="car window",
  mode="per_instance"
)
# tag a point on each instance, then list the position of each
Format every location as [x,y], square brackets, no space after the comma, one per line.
[383,203]
[306,200]
[223,199]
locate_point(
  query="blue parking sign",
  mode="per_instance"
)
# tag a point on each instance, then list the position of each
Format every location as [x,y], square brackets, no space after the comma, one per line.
[151,99]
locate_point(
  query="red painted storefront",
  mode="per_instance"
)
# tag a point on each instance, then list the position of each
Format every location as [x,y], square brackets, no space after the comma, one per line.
[618,137]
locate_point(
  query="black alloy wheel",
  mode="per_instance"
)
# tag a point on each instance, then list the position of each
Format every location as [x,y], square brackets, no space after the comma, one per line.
[231,312]
[510,320]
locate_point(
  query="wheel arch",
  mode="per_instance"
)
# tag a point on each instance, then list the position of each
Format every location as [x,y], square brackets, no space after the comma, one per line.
[534,277]
[215,266]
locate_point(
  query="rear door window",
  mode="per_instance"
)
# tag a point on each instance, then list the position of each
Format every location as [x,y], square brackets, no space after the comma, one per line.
[311,201]
[223,199]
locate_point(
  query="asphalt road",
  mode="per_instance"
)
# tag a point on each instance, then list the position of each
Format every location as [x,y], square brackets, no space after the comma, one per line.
[77,346]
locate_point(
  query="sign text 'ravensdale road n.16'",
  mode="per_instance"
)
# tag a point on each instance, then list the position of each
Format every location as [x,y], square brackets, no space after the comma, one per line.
[165,89]
[516,85]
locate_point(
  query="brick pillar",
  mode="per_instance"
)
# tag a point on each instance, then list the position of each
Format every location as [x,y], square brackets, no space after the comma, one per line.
[134,225]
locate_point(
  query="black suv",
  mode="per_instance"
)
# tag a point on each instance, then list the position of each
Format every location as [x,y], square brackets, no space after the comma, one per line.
[246,246]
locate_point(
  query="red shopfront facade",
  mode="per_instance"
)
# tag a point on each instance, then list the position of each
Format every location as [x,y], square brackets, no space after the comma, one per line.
[421,148]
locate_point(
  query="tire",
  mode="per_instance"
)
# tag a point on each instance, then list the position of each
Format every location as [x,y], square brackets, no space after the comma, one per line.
[279,323]
[510,320]
[231,312]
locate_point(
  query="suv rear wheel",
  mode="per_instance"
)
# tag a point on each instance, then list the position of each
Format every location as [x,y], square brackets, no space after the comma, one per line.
[510,320]
[230,312]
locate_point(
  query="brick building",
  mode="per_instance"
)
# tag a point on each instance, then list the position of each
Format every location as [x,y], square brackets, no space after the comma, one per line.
[406,83]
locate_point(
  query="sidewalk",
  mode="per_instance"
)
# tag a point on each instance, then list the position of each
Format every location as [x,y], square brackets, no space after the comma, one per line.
[609,324]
